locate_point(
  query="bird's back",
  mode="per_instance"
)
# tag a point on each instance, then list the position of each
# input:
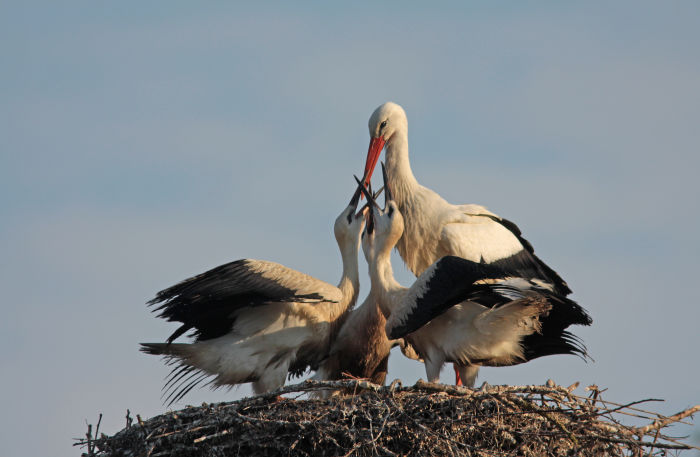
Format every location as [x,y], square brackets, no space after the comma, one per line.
[435,228]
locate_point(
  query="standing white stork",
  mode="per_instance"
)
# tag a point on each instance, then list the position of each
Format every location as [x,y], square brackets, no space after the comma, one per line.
[435,228]
[462,311]
[256,321]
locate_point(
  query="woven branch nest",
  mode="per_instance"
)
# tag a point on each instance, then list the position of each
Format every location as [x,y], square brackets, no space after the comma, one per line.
[422,420]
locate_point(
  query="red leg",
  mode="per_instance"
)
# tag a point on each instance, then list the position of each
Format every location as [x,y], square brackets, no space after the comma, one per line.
[458,379]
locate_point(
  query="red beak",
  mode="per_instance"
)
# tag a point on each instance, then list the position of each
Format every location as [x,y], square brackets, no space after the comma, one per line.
[375,149]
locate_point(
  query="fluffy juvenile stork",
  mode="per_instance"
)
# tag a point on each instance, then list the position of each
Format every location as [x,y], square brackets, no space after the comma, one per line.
[435,228]
[465,312]
[254,320]
[361,349]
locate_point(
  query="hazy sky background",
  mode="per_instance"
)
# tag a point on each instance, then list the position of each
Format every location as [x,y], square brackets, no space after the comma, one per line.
[144,142]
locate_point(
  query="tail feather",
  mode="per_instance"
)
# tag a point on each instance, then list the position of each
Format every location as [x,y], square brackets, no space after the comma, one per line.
[169,350]
[155,348]
[182,389]
[519,316]
[183,377]
[539,345]
[177,373]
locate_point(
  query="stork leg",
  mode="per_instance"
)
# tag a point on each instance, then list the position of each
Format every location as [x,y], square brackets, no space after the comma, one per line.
[432,369]
[272,379]
[458,378]
[466,374]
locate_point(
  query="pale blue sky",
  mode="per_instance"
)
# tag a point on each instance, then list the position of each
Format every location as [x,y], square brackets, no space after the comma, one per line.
[141,143]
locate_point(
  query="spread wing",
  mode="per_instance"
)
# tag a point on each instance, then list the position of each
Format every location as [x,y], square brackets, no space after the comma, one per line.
[208,302]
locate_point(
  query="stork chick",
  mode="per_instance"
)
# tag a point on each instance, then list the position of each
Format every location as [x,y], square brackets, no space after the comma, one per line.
[361,349]
[255,320]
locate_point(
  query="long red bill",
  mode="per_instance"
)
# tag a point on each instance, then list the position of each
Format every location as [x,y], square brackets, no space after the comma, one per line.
[375,149]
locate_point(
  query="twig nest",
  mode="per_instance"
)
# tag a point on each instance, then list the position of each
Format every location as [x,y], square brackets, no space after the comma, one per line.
[425,419]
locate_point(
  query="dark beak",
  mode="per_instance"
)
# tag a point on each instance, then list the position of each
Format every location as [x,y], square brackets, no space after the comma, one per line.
[370,198]
[353,203]
[370,202]
[370,221]
[367,205]
[388,195]
[356,197]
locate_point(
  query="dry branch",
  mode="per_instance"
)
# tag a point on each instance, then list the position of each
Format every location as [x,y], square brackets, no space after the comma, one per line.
[661,423]
[425,419]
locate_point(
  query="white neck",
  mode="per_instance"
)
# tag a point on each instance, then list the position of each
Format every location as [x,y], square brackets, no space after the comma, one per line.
[398,166]
[349,283]
[385,288]
[406,193]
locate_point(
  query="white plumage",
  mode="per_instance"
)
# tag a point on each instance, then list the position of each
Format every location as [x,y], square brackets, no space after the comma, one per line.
[435,228]
[256,321]
[465,312]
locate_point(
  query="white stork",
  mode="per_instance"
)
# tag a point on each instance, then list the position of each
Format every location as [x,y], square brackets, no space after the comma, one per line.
[361,349]
[256,321]
[435,228]
[465,312]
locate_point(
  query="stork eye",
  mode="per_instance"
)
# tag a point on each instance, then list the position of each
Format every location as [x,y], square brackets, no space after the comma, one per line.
[391,211]
[382,125]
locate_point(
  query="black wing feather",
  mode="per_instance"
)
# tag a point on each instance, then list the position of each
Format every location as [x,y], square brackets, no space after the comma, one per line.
[525,263]
[447,282]
[553,337]
[207,302]
[451,281]
[539,345]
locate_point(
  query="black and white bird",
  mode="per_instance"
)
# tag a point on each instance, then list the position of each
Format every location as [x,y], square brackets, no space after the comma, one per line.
[255,320]
[435,228]
[465,312]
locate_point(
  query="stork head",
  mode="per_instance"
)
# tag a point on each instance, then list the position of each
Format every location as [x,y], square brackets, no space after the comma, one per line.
[349,224]
[384,122]
[384,227]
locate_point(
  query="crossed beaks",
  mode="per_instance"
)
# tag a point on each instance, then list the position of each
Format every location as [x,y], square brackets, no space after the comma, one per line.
[371,200]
